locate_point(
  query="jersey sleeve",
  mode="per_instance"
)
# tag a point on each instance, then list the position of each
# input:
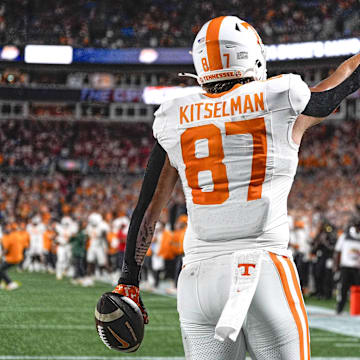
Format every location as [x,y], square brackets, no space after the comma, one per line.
[299,93]
[159,123]
[287,91]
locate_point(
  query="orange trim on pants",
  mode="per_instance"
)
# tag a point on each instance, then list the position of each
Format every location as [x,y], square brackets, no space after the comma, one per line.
[302,305]
[291,301]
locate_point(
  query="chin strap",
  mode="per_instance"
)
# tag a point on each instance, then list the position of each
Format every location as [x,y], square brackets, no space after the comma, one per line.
[189,75]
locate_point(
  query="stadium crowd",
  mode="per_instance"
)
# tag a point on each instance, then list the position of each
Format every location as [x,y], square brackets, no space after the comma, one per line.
[38,146]
[166,23]
[68,229]
[34,190]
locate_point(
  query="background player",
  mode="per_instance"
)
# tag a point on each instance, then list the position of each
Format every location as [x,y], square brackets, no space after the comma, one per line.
[36,230]
[13,246]
[347,262]
[96,231]
[65,230]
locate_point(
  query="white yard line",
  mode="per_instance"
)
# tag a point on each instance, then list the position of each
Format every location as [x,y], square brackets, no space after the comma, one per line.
[15,357]
[9,357]
[76,327]
[334,339]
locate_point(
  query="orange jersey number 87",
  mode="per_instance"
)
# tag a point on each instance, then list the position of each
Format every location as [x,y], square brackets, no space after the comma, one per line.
[214,161]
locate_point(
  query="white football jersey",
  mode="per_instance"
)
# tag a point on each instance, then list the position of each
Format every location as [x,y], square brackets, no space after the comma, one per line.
[96,233]
[64,233]
[36,233]
[350,249]
[236,159]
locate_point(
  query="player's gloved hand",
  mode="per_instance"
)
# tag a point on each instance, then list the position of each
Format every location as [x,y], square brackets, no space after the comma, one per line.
[133,292]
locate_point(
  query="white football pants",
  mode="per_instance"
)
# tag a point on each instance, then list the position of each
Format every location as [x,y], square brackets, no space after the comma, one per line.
[276,325]
[63,260]
[96,254]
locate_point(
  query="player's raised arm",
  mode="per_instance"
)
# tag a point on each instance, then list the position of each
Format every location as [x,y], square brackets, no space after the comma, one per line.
[339,75]
[327,95]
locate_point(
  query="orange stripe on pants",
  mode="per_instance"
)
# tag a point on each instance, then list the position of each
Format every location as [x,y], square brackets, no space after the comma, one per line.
[301,301]
[212,43]
[290,301]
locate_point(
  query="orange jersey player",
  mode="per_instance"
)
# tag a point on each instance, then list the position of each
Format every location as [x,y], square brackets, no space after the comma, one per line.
[13,246]
[235,149]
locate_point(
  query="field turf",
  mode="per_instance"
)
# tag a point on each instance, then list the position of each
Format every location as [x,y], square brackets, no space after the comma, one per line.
[47,317]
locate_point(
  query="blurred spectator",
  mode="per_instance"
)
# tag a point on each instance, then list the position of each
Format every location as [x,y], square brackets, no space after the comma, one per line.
[301,243]
[168,23]
[323,249]
[38,145]
[347,260]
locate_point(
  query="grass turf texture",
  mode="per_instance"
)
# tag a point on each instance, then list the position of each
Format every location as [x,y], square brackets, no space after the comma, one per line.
[46,317]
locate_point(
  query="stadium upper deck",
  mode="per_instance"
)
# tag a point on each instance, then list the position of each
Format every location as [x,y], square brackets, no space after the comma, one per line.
[169,23]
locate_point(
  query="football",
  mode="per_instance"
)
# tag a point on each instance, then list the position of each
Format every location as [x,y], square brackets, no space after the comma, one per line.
[119,322]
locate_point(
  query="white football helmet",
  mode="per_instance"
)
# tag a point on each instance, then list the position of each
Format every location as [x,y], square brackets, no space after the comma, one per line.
[66,221]
[94,219]
[36,220]
[227,48]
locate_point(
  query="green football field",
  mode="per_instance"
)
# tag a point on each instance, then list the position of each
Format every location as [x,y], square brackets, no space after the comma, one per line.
[47,318]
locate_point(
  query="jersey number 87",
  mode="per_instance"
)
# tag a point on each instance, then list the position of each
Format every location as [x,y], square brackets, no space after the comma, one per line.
[214,161]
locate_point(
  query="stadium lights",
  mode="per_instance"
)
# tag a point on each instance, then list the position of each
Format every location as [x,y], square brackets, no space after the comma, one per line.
[148,56]
[53,54]
[48,54]
[313,49]
[9,53]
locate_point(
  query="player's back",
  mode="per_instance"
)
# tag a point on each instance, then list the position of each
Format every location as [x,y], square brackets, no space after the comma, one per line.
[236,160]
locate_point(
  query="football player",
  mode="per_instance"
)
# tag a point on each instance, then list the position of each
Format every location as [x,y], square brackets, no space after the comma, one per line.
[65,230]
[13,248]
[36,230]
[235,148]
[96,231]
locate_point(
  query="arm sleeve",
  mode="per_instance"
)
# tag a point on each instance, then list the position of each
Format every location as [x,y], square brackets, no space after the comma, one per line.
[322,104]
[130,270]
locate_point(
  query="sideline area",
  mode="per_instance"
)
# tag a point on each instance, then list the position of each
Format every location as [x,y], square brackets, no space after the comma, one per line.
[326,319]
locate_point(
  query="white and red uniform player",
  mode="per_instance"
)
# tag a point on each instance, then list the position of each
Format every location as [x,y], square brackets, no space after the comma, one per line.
[65,230]
[121,223]
[96,231]
[120,227]
[36,230]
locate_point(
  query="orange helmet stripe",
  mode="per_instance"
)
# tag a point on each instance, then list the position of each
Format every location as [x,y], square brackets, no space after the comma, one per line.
[212,43]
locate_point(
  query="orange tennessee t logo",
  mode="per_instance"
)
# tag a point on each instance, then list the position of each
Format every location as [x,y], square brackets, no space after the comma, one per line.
[246,266]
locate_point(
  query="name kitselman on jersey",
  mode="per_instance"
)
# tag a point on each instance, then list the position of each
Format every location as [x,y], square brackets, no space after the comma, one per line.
[236,159]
